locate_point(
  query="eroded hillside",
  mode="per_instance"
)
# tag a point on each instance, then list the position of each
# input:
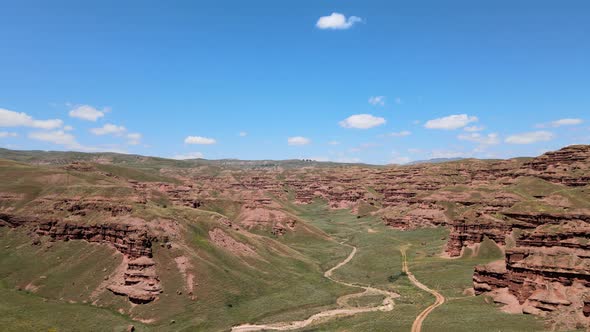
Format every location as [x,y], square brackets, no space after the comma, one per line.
[214,237]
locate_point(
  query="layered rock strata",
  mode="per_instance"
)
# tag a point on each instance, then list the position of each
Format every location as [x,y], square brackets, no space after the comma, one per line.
[547,271]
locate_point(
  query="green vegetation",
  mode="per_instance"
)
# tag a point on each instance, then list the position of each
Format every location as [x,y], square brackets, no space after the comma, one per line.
[22,311]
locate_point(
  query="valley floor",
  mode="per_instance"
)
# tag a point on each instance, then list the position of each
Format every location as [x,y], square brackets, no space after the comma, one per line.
[379,263]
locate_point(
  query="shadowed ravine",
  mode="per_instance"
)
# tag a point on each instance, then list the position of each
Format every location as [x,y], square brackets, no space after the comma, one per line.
[345,310]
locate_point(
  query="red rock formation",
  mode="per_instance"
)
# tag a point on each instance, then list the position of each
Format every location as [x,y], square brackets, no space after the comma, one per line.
[180,195]
[131,239]
[82,207]
[140,281]
[418,215]
[11,220]
[223,240]
[547,271]
[466,232]
[568,166]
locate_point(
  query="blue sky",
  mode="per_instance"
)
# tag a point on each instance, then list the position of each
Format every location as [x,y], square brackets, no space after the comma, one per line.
[370,81]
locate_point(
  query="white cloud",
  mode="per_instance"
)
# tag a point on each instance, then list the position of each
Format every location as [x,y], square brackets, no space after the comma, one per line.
[10,118]
[530,137]
[489,139]
[88,113]
[377,100]
[337,21]
[134,138]
[56,137]
[189,155]
[400,134]
[362,121]
[68,128]
[60,137]
[112,129]
[566,122]
[199,140]
[561,122]
[109,129]
[333,143]
[298,140]
[472,129]
[450,122]
[7,134]
[243,134]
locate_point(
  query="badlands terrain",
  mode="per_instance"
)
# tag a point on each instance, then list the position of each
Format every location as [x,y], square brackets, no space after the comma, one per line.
[111,242]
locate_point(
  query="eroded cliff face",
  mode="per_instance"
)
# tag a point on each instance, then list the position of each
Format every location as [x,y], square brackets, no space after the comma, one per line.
[567,166]
[130,237]
[467,232]
[137,278]
[546,272]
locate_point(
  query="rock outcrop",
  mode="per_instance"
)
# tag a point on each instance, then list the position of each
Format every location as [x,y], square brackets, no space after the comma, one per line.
[467,232]
[131,239]
[568,166]
[547,271]
[140,282]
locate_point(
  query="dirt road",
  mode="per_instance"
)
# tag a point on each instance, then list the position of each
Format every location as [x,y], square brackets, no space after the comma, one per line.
[342,301]
[417,326]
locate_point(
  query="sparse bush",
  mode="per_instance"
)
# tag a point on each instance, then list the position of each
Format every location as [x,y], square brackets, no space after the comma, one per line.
[395,277]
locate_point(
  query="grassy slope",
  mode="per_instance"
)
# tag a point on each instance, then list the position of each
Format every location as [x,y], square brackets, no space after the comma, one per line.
[22,311]
[61,277]
[232,290]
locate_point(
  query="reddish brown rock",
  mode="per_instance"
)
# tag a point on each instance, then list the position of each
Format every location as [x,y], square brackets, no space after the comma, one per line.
[140,282]
[547,271]
[466,232]
[132,239]
[568,166]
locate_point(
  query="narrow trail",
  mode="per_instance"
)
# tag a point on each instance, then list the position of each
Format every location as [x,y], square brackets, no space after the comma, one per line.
[387,305]
[417,325]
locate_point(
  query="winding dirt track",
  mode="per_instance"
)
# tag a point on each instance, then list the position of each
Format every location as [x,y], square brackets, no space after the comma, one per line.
[387,305]
[417,326]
